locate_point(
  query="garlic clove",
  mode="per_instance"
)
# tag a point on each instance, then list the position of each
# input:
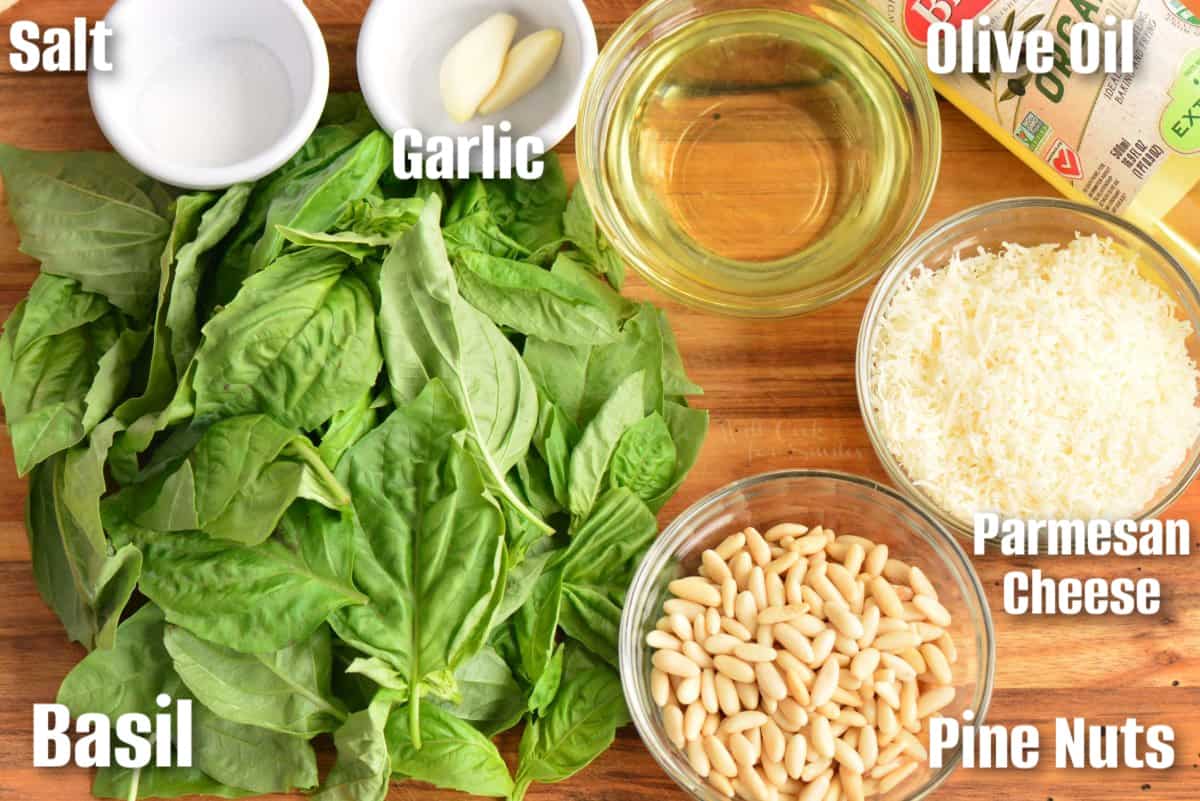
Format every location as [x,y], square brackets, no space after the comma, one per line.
[474,65]
[527,65]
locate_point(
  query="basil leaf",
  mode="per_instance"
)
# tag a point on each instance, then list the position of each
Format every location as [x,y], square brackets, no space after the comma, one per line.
[317,201]
[81,579]
[448,753]
[262,761]
[644,460]
[188,273]
[364,765]
[155,782]
[590,459]
[531,212]
[580,724]
[429,332]
[236,483]
[528,299]
[253,600]
[489,698]
[298,343]
[430,544]
[286,691]
[90,217]
[580,227]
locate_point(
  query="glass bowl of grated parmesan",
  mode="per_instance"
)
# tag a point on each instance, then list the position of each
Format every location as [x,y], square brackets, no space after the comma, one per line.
[1034,358]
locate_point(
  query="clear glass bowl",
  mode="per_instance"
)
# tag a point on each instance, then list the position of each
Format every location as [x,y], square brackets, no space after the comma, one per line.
[758,158]
[847,504]
[1024,221]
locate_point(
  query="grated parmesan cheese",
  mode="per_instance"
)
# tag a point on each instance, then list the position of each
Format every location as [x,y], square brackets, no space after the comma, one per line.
[1040,382]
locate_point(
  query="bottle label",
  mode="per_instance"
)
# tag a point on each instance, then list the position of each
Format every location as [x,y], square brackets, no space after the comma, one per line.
[1105,134]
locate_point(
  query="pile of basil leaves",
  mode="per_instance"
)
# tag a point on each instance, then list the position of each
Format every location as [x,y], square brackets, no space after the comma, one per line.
[372,459]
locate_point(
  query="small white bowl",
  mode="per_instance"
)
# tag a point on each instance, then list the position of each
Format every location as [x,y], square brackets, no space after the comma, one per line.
[205,94]
[403,42]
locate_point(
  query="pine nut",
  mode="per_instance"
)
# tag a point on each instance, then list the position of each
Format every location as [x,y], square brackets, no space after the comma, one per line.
[747,694]
[712,624]
[695,652]
[774,772]
[774,741]
[796,755]
[675,664]
[729,591]
[791,717]
[744,721]
[681,627]
[908,706]
[770,683]
[781,530]
[718,644]
[753,652]
[876,558]
[920,583]
[688,690]
[885,595]
[684,608]
[809,544]
[852,784]
[719,757]
[864,664]
[892,780]
[927,631]
[697,590]
[757,585]
[901,668]
[897,641]
[764,637]
[948,648]
[797,687]
[740,566]
[817,788]
[708,691]
[847,756]
[700,627]
[732,667]
[714,567]
[663,641]
[934,612]
[814,768]
[796,643]
[755,784]
[660,687]
[732,627]
[825,683]
[823,645]
[727,697]
[776,592]
[757,547]
[844,621]
[868,747]
[730,546]
[821,737]
[698,758]
[673,725]
[855,557]
[742,751]
[746,610]
[934,700]
[896,571]
[938,665]
[721,784]
[711,724]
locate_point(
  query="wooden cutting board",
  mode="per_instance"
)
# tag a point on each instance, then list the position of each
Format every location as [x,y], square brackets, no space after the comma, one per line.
[782,395]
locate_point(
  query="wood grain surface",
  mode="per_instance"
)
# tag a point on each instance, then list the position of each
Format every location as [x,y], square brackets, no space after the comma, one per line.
[782,395]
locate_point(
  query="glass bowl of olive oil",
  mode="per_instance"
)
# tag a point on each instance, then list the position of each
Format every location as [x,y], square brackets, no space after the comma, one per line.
[761,158]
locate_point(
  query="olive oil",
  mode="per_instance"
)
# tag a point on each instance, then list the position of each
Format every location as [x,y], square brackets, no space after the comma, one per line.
[766,153]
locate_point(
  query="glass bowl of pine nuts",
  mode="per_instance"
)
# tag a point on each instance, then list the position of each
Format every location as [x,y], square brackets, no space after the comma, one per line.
[791,636]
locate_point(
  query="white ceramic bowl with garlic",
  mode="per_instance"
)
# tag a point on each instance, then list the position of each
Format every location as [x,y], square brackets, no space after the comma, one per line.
[402,66]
